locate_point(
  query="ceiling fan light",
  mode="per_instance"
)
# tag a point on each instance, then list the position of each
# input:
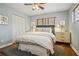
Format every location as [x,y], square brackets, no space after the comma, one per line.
[33,8]
[37,7]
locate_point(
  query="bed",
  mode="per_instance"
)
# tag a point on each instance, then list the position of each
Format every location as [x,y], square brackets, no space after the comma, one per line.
[38,42]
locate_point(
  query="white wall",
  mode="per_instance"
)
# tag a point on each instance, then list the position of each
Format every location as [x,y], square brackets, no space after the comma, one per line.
[6,30]
[74,29]
[63,15]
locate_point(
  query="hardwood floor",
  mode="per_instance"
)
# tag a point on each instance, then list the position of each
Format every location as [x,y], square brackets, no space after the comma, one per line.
[11,46]
[67,49]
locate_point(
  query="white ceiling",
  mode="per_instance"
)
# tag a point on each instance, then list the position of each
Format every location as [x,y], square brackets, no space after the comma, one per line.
[49,7]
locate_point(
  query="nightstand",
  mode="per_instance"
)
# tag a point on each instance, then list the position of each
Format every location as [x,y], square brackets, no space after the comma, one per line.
[63,37]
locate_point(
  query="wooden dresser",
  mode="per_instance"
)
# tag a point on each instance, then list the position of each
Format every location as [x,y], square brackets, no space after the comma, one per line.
[63,37]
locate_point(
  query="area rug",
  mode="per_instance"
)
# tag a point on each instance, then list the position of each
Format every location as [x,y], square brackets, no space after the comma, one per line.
[59,51]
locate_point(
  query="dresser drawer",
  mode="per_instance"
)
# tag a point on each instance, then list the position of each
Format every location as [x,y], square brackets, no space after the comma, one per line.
[60,36]
[64,37]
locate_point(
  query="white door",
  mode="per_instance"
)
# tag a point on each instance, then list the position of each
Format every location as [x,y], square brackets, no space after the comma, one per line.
[18,26]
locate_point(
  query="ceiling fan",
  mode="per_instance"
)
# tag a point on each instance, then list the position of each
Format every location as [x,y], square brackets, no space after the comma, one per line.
[36,6]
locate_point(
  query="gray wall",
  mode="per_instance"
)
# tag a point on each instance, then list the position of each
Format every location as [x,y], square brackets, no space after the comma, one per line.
[74,29]
[6,30]
[63,15]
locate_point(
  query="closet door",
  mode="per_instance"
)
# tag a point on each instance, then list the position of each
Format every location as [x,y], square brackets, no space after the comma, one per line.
[18,26]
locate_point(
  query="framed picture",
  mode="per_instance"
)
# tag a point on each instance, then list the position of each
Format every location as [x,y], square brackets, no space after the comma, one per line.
[3,19]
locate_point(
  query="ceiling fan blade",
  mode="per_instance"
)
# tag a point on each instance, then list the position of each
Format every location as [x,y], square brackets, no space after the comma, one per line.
[42,3]
[41,7]
[28,4]
[36,5]
[33,3]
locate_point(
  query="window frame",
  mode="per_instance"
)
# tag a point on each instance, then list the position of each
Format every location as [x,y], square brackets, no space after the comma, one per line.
[73,14]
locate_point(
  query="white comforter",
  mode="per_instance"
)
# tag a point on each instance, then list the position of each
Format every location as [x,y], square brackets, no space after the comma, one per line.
[46,34]
[41,38]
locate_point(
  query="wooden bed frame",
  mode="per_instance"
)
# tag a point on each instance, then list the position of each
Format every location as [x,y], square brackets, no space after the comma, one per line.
[45,23]
[47,26]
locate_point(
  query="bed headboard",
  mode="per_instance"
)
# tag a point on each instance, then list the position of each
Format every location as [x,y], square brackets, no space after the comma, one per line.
[46,28]
[44,24]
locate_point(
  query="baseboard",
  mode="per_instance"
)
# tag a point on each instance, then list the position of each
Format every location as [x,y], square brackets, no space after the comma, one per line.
[74,50]
[6,45]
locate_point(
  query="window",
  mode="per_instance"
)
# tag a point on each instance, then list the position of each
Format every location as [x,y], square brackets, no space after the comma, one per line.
[75,13]
[60,26]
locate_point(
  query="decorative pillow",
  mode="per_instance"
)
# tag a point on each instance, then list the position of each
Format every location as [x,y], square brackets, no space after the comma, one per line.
[44,30]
